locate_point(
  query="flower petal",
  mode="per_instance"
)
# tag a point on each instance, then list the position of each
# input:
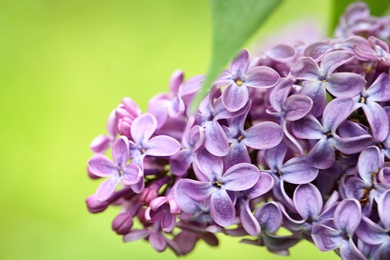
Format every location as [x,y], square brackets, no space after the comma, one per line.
[347,216]
[240,63]
[345,84]
[297,106]
[248,221]
[262,186]
[162,145]
[307,128]
[264,135]
[222,209]
[120,151]
[322,155]
[335,59]
[209,164]
[379,90]
[308,201]
[369,163]
[306,69]
[158,241]
[316,92]
[297,171]
[262,77]
[143,128]
[107,188]
[240,177]
[235,97]
[238,153]
[383,209]
[215,140]
[197,190]
[378,120]
[280,93]
[326,238]
[132,174]
[269,217]
[101,166]
[336,112]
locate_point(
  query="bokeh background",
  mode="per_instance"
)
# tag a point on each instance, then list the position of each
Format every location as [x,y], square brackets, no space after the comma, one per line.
[64,65]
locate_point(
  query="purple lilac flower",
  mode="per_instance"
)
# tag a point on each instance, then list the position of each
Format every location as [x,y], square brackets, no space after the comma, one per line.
[144,144]
[239,77]
[329,235]
[322,154]
[216,184]
[318,78]
[117,170]
[102,142]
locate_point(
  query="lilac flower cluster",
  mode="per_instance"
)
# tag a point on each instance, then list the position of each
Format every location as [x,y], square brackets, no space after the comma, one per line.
[297,139]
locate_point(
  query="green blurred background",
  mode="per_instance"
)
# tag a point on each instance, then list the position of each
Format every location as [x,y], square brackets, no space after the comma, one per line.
[64,65]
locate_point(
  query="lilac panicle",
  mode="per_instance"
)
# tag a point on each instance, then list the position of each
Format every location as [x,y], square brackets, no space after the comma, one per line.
[297,138]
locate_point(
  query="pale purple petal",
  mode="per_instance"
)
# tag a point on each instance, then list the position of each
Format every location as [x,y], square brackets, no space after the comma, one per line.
[317,50]
[216,141]
[326,238]
[248,221]
[347,216]
[308,201]
[158,241]
[307,69]
[262,186]
[352,145]
[378,120]
[383,252]
[336,112]
[185,203]
[383,209]
[264,135]
[261,77]
[280,93]
[120,151]
[345,84]
[238,153]
[175,81]
[269,217]
[380,90]
[168,222]
[308,128]
[132,174]
[107,188]
[143,127]
[240,63]
[135,235]
[101,166]
[370,232]
[221,208]
[297,171]
[281,52]
[209,164]
[297,106]
[162,145]
[350,251]
[369,162]
[335,59]
[354,188]
[240,177]
[197,190]
[317,93]
[180,162]
[274,157]
[322,155]
[235,97]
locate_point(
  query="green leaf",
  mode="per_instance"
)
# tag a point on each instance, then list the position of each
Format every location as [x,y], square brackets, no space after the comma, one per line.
[377,8]
[233,22]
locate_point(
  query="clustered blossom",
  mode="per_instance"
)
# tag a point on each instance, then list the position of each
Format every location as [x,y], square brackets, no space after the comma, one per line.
[298,139]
